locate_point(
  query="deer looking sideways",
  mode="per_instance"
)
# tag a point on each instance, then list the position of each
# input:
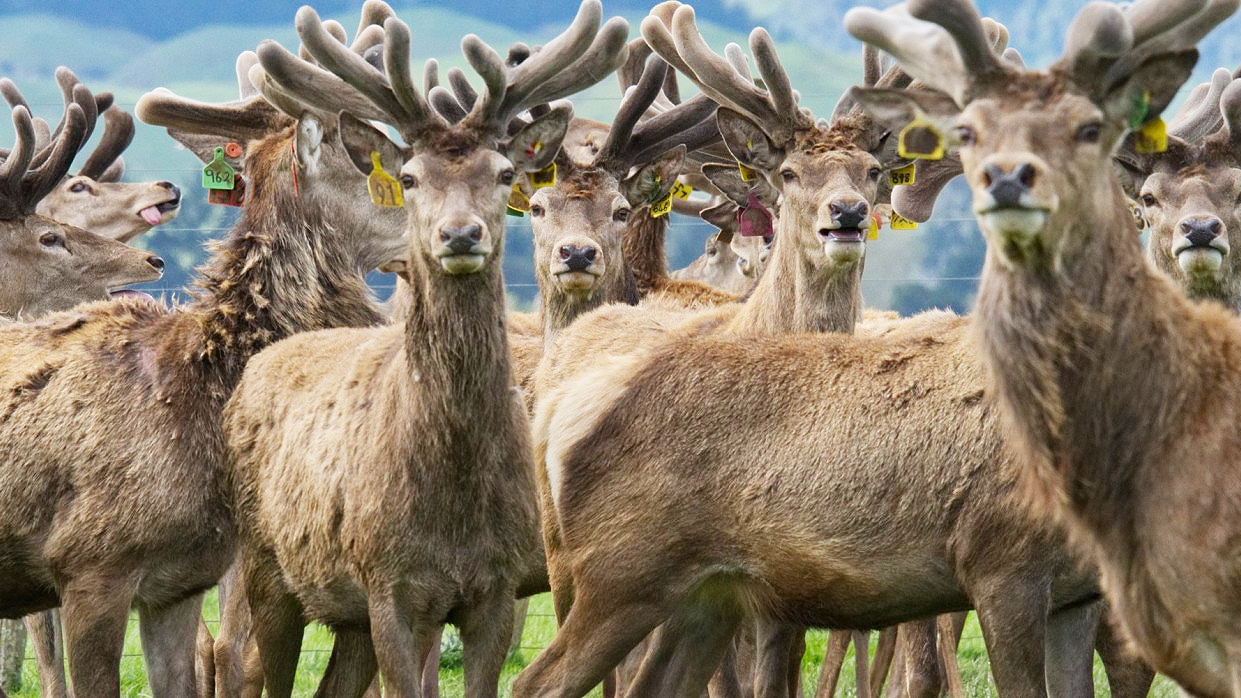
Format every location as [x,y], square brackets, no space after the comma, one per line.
[1066,292]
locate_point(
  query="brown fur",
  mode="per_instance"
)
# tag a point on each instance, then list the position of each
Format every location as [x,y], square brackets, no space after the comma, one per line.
[99,534]
[110,208]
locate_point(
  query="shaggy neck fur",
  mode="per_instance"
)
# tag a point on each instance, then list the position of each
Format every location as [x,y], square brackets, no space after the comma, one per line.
[794,296]
[643,247]
[283,269]
[558,309]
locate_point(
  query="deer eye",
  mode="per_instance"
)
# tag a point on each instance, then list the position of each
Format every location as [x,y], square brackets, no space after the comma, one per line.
[78,187]
[409,181]
[1148,200]
[621,215]
[1089,133]
[506,177]
[788,176]
[51,240]
[874,173]
[966,135]
[536,210]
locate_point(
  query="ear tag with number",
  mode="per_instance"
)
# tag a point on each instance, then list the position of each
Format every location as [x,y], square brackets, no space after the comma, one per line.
[873,233]
[518,202]
[754,220]
[229,197]
[662,207]
[747,175]
[545,177]
[903,175]
[920,140]
[900,223]
[385,190]
[681,190]
[218,174]
[1152,137]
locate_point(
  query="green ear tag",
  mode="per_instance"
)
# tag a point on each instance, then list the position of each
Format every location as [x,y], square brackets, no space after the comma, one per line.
[384,189]
[900,223]
[218,174]
[1152,137]
[545,177]
[903,175]
[747,175]
[920,141]
[1141,108]
[662,208]
[681,190]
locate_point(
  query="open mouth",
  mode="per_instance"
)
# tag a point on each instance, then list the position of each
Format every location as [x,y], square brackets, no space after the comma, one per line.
[153,215]
[845,235]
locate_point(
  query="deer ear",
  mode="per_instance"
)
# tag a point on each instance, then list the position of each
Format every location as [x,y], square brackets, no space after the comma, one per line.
[360,139]
[654,180]
[747,142]
[727,178]
[535,146]
[722,216]
[896,108]
[1143,94]
[203,146]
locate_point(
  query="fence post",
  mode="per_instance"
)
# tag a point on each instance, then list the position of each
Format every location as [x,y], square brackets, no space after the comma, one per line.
[12,652]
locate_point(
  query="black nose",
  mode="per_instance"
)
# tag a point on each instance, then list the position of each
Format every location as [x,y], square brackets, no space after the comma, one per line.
[849,215]
[577,258]
[156,262]
[461,239]
[169,186]
[1201,231]
[1008,187]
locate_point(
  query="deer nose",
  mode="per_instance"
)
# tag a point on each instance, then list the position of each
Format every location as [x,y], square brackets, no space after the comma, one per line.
[1007,188]
[167,185]
[156,262]
[1201,231]
[462,238]
[578,258]
[848,214]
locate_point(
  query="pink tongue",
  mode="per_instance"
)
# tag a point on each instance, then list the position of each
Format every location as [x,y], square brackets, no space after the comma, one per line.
[151,215]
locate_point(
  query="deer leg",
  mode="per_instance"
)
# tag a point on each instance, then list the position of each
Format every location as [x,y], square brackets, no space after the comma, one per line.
[168,642]
[774,643]
[351,667]
[726,682]
[486,631]
[94,610]
[431,666]
[949,627]
[921,666]
[204,660]
[1127,675]
[882,664]
[1070,650]
[833,660]
[278,625]
[687,648]
[251,669]
[861,662]
[48,641]
[233,634]
[1014,626]
[403,639]
[797,652]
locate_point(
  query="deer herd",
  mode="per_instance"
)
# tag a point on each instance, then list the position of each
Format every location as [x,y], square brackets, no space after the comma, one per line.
[698,465]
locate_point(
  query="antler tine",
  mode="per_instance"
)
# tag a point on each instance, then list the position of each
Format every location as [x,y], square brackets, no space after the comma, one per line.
[118,133]
[462,90]
[604,55]
[691,124]
[1171,37]
[74,92]
[736,57]
[924,49]
[556,55]
[374,14]
[308,83]
[246,87]
[446,104]
[871,70]
[39,181]
[418,114]
[1230,108]
[1201,114]
[18,159]
[779,89]
[637,99]
[275,95]
[635,63]
[369,39]
[961,19]
[1150,19]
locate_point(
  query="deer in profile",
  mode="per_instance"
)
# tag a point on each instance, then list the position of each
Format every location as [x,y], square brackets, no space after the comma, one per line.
[1066,292]
[429,400]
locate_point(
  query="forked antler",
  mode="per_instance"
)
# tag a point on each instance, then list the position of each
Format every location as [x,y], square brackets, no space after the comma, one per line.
[32,169]
[104,163]
[672,32]
[566,64]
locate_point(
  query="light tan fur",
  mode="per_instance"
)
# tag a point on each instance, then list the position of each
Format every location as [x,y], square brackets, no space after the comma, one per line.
[111,209]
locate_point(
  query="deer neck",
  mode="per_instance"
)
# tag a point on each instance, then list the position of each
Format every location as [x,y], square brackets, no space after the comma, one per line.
[558,310]
[1092,364]
[643,248]
[795,295]
[283,269]
[1226,290]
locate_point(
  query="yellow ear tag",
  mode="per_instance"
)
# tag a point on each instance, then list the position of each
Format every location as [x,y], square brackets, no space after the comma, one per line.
[747,175]
[1152,137]
[903,175]
[873,233]
[919,140]
[384,189]
[662,208]
[545,177]
[681,190]
[899,223]
[518,202]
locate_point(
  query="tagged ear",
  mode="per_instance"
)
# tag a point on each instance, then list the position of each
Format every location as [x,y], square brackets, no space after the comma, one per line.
[203,147]
[534,147]
[748,144]
[728,179]
[1142,95]
[724,217]
[1129,168]
[360,139]
[308,143]
[896,108]
[653,181]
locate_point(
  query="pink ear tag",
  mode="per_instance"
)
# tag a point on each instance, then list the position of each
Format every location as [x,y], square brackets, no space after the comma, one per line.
[754,220]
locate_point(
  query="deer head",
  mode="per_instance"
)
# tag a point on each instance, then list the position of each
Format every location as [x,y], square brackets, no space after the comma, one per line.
[1187,195]
[455,172]
[46,265]
[95,199]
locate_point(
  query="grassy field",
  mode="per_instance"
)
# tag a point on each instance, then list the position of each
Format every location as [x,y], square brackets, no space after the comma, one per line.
[540,627]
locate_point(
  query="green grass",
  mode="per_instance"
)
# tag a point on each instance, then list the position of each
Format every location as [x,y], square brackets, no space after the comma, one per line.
[540,627]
